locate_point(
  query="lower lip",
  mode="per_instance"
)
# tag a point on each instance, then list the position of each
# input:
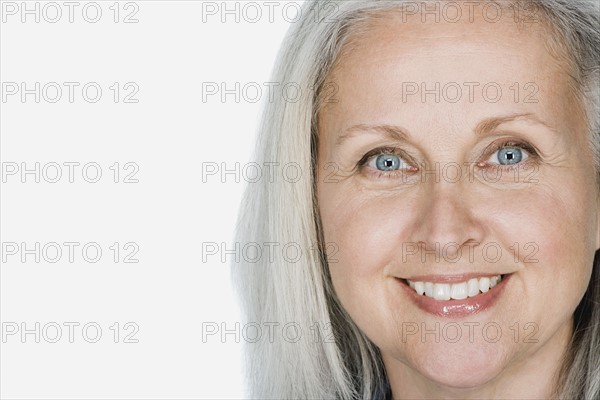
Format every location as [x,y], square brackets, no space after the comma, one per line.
[456,308]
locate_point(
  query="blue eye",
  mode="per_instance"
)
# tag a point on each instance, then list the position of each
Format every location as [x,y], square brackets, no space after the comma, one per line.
[387,162]
[508,155]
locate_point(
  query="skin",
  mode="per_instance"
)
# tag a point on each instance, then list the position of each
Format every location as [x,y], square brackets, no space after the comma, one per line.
[553,203]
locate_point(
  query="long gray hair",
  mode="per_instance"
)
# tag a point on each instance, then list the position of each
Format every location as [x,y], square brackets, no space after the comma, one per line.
[313,350]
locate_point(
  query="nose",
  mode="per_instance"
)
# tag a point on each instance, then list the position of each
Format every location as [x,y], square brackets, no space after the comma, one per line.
[446,222]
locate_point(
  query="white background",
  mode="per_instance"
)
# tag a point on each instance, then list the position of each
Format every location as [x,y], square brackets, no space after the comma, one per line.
[170,294]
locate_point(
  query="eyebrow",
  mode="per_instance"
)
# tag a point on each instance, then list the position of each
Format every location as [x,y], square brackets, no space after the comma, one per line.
[391,131]
[398,133]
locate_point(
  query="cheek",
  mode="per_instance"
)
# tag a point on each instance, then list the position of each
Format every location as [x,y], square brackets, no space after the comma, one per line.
[350,228]
[365,232]
[550,233]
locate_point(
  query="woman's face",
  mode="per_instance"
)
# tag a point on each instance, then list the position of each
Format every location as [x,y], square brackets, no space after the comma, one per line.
[448,154]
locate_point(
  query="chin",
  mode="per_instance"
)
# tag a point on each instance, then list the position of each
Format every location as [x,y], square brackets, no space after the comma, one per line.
[460,366]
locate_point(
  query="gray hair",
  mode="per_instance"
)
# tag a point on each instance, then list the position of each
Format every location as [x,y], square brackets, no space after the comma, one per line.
[284,292]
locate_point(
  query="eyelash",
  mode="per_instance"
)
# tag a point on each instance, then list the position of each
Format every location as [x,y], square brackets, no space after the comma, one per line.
[531,152]
[362,163]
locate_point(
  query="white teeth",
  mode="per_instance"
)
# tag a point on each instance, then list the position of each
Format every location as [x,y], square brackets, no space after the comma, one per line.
[458,291]
[484,284]
[441,291]
[473,287]
[428,289]
[420,288]
[494,281]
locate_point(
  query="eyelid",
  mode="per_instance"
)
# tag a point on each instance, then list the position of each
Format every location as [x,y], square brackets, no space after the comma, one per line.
[494,147]
[384,150]
[487,153]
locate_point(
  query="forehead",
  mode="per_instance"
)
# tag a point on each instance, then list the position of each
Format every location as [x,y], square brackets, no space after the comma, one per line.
[424,35]
[391,55]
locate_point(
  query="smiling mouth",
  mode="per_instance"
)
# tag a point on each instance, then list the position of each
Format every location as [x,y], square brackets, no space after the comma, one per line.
[456,291]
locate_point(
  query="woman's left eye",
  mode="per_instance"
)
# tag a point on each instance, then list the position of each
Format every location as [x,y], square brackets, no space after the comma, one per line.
[509,154]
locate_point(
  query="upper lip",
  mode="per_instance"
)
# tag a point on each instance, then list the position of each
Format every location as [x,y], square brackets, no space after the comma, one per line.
[450,278]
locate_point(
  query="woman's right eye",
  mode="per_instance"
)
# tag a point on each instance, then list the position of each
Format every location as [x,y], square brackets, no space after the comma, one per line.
[387,162]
